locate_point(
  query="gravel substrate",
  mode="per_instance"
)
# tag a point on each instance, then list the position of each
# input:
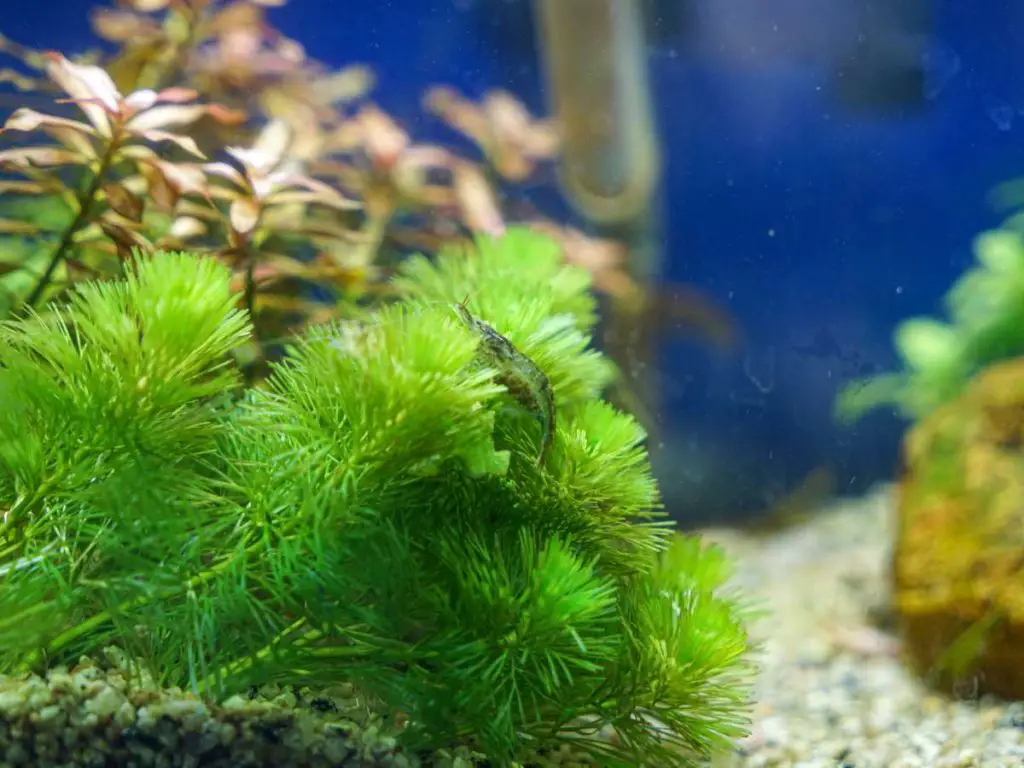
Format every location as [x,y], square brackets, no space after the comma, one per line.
[89,716]
[832,690]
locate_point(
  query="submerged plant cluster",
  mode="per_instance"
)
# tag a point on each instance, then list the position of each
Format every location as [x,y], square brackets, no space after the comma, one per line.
[374,514]
[206,129]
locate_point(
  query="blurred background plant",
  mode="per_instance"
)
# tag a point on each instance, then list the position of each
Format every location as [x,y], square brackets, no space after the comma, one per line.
[985,324]
[207,129]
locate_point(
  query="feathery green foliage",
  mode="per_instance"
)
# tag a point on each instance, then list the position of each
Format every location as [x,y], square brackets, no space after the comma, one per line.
[374,514]
[986,324]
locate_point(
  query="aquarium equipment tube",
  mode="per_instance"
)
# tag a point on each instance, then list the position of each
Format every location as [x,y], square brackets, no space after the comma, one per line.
[595,59]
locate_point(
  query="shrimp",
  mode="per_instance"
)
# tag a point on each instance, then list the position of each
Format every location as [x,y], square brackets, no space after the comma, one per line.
[525,382]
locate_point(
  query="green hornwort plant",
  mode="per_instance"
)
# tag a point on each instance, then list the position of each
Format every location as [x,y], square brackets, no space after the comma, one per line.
[372,514]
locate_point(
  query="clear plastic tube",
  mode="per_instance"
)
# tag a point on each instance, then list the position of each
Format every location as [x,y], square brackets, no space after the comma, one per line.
[596,64]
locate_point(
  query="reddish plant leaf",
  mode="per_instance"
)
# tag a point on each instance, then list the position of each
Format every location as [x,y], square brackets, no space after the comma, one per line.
[124,237]
[349,84]
[411,177]
[185,228]
[317,230]
[237,18]
[186,143]
[113,217]
[124,202]
[163,195]
[19,80]
[71,133]
[9,227]
[27,120]
[603,258]
[461,114]
[310,191]
[382,138]
[39,157]
[226,115]
[268,151]
[228,194]
[149,6]
[23,188]
[198,211]
[183,178]
[512,125]
[166,116]
[79,270]
[477,201]
[293,197]
[139,152]
[89,86]
[501,126]
[345,138]
[245,215]
[177,95]
[138,101]
[226,171]
[122,26]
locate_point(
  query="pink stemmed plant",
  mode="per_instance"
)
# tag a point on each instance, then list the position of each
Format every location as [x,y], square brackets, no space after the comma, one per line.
[140,132]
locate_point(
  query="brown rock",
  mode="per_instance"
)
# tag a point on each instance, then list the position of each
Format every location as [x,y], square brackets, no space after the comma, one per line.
[958,565]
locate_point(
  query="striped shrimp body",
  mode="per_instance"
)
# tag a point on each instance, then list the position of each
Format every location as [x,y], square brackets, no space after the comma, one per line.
[525,382]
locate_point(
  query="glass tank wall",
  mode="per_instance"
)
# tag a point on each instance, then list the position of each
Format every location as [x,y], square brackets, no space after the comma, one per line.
[799,225]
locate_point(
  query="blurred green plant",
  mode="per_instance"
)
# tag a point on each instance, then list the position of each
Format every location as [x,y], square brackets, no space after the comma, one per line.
[374,515]
[985,323]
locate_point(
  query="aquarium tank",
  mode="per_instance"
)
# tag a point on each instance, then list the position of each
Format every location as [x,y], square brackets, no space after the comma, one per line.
[511,383]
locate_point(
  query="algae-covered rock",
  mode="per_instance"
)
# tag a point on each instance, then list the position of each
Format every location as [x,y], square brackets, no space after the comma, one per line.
[958,567]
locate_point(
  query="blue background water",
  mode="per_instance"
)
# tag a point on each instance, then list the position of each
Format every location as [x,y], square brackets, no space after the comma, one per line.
[818,228]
